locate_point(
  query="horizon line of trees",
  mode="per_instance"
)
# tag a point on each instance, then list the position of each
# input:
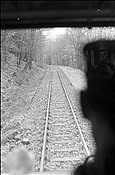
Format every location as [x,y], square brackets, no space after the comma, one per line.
[28,45]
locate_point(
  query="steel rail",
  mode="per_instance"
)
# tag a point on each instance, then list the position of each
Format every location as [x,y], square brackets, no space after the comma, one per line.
[73,113]
[45,132]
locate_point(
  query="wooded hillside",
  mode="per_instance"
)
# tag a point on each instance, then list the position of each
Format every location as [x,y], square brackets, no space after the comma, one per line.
[25,53]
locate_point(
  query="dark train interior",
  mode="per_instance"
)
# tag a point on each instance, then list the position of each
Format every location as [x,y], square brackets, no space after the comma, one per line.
[16,14]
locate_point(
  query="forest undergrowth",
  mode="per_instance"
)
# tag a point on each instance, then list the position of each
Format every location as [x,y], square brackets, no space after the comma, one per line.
[17,88]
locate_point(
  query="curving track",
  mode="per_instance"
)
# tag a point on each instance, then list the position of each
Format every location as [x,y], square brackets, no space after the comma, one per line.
[63,144]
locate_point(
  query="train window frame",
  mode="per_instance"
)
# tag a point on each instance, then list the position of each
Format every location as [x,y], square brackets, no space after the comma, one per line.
[73,22]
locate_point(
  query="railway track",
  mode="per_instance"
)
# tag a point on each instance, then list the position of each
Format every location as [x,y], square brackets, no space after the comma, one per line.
[64,145]
[56,135]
